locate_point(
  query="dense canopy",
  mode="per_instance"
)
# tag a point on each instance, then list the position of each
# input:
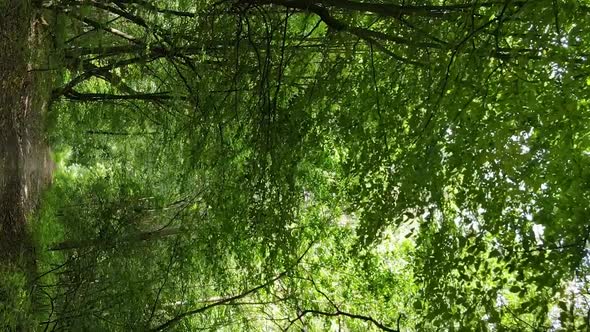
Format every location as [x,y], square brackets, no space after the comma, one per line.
[315,165]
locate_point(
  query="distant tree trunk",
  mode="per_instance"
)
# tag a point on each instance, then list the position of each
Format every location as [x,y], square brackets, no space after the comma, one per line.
[137,237]
[89,97]
[118,133]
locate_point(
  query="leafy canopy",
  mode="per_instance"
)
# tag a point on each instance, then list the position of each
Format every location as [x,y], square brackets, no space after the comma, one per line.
[280,164]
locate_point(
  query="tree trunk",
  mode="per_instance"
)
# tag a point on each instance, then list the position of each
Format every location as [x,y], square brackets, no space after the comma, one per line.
[137,237]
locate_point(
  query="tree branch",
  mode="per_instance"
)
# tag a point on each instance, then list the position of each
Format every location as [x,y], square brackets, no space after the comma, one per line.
[227,300]
[104,27]
[364,34]
[342,313]
[390,10]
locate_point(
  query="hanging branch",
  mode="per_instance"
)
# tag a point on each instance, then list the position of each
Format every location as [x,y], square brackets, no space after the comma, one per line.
[365,34]
[390,10]
[231,299]
[340,313]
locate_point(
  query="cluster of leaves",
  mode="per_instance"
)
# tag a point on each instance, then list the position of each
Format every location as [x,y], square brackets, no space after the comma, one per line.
[15,305]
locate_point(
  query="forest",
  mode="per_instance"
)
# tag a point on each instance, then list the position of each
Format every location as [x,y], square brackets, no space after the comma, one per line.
[294,165]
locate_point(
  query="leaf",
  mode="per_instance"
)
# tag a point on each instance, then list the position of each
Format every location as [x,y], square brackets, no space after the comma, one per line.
[515,289]
[417,305]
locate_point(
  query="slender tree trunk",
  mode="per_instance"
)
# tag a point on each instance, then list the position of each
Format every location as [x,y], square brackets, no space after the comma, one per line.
[88,97]
[137,237]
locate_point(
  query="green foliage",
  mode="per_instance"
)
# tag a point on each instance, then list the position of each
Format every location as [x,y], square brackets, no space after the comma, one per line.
[432,163]
[15,303]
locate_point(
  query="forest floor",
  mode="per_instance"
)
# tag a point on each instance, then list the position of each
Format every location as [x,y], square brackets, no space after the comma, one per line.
[25,159]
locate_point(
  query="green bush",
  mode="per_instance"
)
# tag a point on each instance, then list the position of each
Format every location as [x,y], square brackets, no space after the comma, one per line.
[15,302]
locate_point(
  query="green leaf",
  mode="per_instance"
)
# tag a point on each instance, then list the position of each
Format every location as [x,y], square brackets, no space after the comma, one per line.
[515,289]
